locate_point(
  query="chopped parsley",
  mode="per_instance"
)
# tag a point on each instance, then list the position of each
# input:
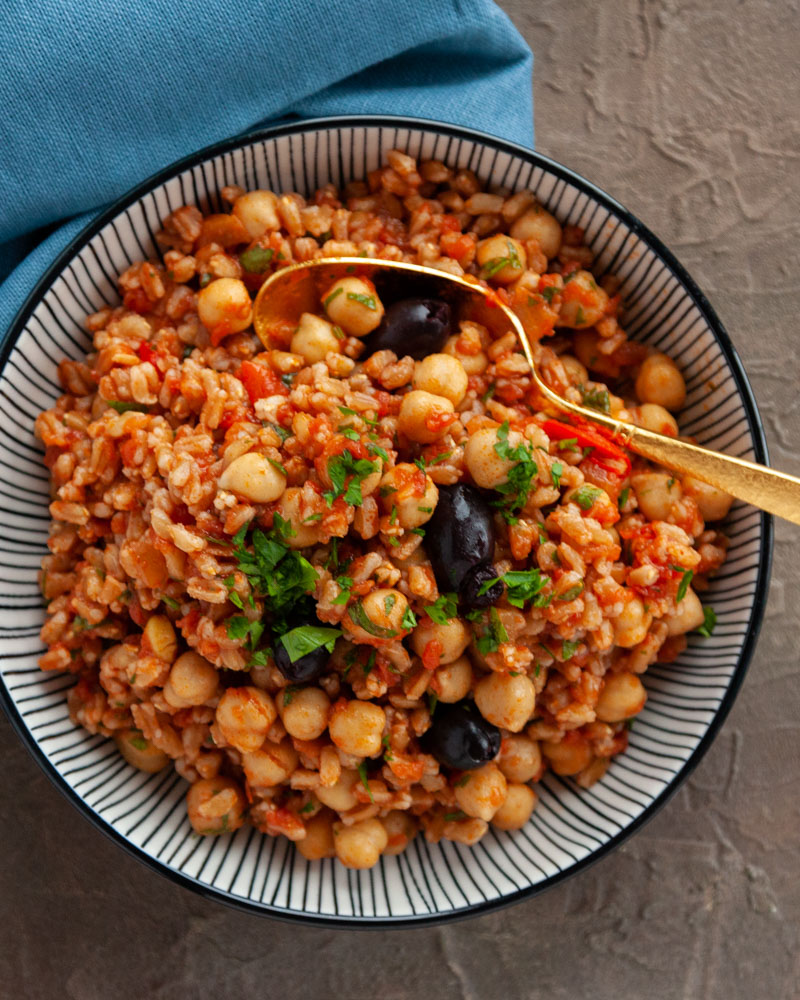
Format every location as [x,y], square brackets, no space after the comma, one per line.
[277,573]
[517,486]
[345,584]
[572,593]
[522,585]
[568,444]
[359,617]
[289,692]
[408,621]
[586,496]
[364,300]
[422,464]
[496,264]
[340,467]
[490,641]
[462,780]
[233,597]
[686,579]
[307,808]
[338,332]
[454,817]
[556,470]
[710,620]
[569,649]
[170,602]
[277,465]
[362,773]
[489,393]
[256,260]
[332,296]
[349,433]
[433,701]
[375,449]
[443,608]
[597,399]
[549,292]
[306,639]
[389,602]
[122,407]
[623,497]
[139,742]
[282,432]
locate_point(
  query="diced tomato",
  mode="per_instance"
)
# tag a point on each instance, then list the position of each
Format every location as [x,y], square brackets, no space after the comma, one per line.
[437,420]
[146,352]
[260,381]
[432,654]
[450,224]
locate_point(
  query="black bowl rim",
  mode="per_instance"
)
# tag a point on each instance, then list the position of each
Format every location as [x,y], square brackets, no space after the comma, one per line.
[756,427]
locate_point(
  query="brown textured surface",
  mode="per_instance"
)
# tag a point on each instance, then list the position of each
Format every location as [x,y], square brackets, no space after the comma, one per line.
[687,113]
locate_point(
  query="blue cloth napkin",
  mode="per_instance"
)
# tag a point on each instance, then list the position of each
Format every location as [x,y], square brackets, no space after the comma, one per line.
[97,96]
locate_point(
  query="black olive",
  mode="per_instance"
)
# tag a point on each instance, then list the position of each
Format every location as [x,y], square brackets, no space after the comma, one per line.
[412,326]
[473,582]
[460,535]
[460,737]
[307,668]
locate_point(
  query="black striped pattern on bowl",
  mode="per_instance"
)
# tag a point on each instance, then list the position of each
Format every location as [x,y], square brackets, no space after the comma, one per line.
[571,827]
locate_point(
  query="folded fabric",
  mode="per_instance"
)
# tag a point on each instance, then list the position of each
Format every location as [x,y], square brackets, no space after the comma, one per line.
[97,97]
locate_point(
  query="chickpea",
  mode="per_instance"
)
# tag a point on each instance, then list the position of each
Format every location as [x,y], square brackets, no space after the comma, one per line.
[271,765]
[486,467]
[258,212]
[424,417]
[454,637]
[653,417]
[659,381]
[360,845]
[583,302]
[631,625]
[318,841]
[576,372]
[400,830]
[515,812]
[244,716]
[340,796]
[159,635]
[712,503]
[224,307]
[688,615]
[411,493]
[378,615]
[567,757]
[314,339]
[253,477]
[192,681]
[520,758]
[290,507]
[139,751]
[622,696]
[357,727]
[305,715]
[483,793]
[502,259]
[473,364]
[453,680]
[215,805]
[506,701]
[656,493]
[353,304]
[441,375]
[538,224]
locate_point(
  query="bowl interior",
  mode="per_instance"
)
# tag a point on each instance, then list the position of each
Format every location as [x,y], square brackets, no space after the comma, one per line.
[570,827]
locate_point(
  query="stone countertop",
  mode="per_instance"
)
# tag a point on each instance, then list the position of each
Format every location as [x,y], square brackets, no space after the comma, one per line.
[686,113]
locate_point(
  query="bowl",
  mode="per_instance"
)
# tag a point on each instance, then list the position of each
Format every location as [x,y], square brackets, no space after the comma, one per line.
[571,827]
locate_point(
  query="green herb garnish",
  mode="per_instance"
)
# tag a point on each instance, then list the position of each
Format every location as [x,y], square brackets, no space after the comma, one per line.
[121,407]
[364,300]
[586,496]
[710,620]
[556,470]
[340,467]
[443,608]
[597,399]
[305,639]
[686,579]
[256,260]
[332,296]
[362,773]
[518,483]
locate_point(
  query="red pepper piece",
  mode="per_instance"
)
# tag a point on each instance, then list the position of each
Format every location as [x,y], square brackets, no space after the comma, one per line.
[589,438]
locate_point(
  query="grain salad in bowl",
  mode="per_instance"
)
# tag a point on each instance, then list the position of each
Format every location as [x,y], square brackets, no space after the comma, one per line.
[352,581]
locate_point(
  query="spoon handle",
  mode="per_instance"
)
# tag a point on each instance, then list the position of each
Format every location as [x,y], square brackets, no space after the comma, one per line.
[766,488]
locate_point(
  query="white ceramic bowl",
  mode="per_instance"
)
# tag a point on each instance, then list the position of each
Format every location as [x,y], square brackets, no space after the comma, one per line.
[688,700]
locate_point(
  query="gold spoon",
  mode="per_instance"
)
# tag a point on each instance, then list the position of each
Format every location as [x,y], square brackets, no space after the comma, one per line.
[296,289]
